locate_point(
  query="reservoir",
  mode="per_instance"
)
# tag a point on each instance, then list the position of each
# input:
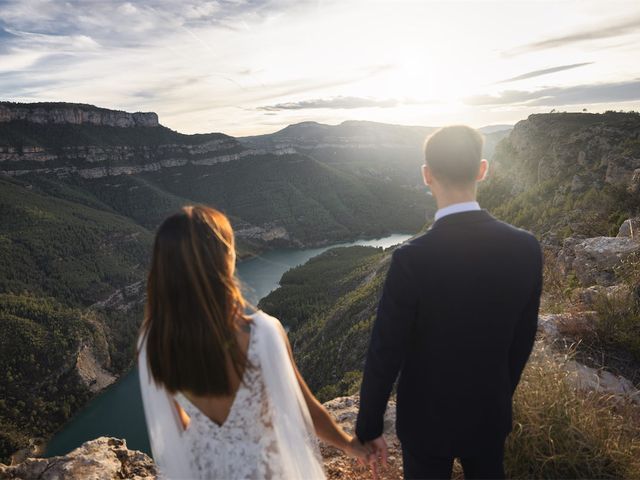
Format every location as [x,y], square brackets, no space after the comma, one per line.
[117,412]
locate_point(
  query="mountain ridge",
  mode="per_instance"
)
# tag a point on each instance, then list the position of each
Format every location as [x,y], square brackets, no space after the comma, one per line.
[74,113]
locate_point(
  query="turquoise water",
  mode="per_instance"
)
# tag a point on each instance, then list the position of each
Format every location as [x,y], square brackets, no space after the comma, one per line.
[117,412]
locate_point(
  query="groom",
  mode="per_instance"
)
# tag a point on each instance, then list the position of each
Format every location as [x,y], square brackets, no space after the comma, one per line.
[457,321]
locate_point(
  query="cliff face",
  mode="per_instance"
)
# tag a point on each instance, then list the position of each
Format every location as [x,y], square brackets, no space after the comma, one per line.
[567,174]
[587,149]
[74,114]
[103,161]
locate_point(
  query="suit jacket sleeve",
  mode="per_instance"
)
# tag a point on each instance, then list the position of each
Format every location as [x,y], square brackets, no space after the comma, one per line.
[396,312]
[525,331]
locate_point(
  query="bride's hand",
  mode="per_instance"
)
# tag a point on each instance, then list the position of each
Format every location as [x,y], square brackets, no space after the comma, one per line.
[355,448]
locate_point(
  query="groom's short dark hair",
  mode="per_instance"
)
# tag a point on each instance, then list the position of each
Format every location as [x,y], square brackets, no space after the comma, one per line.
[454,153]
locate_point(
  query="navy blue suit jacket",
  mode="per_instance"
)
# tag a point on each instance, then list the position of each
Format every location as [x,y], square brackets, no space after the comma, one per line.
[457,321]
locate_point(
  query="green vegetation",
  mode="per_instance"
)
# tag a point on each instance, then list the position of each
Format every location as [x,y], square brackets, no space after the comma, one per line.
[59,255]
[69,243]
[557,183]
[39,344]
[314,202]
[329,304]
[53,247]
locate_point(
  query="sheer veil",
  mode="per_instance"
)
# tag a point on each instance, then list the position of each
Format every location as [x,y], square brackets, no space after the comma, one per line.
[297,444]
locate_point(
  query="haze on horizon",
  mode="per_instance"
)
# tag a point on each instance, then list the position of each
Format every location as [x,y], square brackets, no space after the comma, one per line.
[254,66]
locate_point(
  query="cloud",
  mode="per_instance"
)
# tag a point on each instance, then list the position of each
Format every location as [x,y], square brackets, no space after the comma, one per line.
[620,28]
[334,103]
[555,96]
[545,71]
[127,24]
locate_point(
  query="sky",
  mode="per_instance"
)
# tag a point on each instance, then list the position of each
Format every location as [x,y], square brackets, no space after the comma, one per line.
[246,67]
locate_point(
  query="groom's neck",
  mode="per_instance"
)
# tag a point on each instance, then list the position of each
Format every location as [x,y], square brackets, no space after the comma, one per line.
[451,196]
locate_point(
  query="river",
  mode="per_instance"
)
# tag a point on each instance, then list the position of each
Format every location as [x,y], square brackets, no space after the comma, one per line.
[117,412]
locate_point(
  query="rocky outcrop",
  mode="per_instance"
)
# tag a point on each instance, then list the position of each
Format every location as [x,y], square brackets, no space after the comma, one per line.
[266,233]
[602,381]
[90,371]
[339,466]
[569,328]
[100,459]
[108,458]
[113,160]
[75,114]
[588,150]
[593,261]
[566,326]
[630,228]
[123,299]
[590,296]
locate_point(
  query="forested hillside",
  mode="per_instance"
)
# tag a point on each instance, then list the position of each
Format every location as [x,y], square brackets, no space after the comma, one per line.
[82,190]
[329,305]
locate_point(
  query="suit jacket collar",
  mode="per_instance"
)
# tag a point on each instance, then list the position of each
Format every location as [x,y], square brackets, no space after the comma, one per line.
[470,216]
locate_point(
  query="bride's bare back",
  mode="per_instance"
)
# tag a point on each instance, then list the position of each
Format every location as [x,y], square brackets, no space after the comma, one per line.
[217,408]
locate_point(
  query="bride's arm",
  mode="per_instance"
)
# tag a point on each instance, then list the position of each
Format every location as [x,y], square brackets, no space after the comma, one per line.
[326,427]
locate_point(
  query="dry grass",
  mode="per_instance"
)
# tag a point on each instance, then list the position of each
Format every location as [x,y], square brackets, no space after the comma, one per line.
[563,433]
[557,287]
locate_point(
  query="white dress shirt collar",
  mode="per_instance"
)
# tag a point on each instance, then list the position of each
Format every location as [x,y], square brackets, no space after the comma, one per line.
[456,208]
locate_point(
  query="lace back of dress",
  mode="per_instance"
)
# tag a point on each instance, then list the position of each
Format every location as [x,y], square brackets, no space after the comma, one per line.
[244,446]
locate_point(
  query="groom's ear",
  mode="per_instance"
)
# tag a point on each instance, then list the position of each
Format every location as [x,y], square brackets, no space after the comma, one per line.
[482,170]
[427,176]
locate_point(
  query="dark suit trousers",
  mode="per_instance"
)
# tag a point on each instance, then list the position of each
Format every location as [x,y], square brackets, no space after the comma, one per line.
[487,466]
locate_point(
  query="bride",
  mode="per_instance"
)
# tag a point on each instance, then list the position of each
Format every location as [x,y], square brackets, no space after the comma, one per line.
[221,392]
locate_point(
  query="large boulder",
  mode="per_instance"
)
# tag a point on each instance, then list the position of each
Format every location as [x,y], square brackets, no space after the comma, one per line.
[100,459]
[594,261]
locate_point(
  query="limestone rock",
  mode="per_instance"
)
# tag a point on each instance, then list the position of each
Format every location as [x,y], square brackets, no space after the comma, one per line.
[634,184]
[602,381]
[124,299]
[100,459]
[591,295]
[265,233]
[630,228]
[339,466]
[74,113]
[558,326]
[593,260]
[108,458]
[91,372]
[583,150]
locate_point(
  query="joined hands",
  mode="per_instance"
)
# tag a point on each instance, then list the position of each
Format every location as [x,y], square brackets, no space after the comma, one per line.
[369,453]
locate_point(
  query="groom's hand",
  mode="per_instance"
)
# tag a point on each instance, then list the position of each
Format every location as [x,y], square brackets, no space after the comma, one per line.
[378,450]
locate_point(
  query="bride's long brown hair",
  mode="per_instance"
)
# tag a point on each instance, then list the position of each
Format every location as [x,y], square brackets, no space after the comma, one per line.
[193,303]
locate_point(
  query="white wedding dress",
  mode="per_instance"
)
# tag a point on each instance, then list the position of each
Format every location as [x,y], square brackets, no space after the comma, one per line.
[268,433]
